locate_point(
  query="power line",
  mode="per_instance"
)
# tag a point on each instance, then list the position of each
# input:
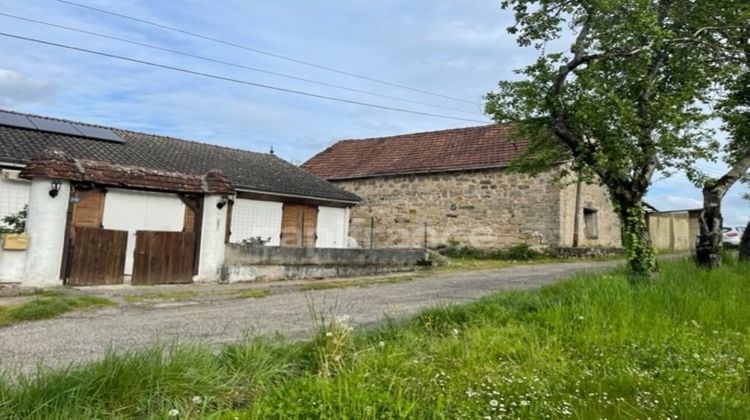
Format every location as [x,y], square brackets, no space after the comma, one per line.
[263,52]
[227,63]
[238,81]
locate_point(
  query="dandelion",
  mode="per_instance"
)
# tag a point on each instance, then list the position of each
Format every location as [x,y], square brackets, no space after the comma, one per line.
[455,331]
[741,360]
[197,399]
[494,403]
[174,412]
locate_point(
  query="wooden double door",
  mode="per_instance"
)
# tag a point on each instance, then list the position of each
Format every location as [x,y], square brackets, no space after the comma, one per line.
[96,256]
[299,225]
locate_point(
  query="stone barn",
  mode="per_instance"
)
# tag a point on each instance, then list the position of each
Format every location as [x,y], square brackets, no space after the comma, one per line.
[454,185]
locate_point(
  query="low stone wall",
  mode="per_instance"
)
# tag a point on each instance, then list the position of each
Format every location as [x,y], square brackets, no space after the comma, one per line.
[266,263]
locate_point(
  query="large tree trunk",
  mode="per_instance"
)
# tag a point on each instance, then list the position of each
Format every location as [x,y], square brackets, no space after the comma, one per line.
[708,249]
[745,245]
[641,254]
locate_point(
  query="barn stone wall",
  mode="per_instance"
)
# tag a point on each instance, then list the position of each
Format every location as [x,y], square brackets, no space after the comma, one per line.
[489,208]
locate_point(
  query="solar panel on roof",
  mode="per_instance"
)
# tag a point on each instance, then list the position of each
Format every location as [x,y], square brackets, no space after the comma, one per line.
[98,133]
[54,126]
[15,120]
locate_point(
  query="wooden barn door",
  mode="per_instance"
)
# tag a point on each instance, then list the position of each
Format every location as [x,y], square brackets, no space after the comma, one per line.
[299,226]
[97,256]
[163,257]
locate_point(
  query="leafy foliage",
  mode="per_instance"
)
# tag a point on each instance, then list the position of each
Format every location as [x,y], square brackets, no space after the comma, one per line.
[518,252]
[14,223]
[256,241]
[626,100]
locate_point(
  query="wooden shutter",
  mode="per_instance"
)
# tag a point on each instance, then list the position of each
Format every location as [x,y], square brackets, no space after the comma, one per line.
[299,225]
[89,210]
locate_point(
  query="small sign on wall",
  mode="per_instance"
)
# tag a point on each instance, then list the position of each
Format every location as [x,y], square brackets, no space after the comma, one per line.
[15,241]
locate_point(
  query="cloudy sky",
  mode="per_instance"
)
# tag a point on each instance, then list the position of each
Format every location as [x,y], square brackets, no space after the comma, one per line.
[455,48]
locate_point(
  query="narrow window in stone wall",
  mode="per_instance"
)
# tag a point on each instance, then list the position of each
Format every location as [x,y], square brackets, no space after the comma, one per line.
[591,223]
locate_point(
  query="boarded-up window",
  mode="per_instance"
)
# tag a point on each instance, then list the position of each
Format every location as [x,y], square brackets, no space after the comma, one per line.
[298,226]
[591,223]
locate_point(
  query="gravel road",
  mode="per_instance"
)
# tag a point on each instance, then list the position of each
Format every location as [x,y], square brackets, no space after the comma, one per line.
[86,336]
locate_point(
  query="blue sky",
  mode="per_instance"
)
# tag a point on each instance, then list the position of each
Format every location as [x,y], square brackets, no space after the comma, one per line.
[455,47]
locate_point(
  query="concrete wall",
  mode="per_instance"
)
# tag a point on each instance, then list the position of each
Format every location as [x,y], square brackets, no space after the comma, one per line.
[596,197]
[45,227]
[483,208]
[332,227]
[672,231]
[133,210]
[14,194]
[253,218]
[258,263]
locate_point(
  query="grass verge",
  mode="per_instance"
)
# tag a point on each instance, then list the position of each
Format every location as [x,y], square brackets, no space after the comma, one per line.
[591,347]
[177,295]
[254,293]
[365,282]
[48,306]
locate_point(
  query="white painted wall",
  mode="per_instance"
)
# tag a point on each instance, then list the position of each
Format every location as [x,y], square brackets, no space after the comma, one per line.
[45,226]
[252,218]
[212,240]
[333,227]
[140,210]
[14,194]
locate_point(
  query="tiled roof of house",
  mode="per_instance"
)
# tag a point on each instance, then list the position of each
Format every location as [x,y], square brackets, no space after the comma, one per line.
[436,151]
[246,170]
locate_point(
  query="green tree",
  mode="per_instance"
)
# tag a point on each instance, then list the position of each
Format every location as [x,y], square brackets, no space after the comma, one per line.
[734,110]
[624,101]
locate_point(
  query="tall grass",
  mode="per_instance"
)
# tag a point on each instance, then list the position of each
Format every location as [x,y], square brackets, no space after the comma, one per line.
[591,347]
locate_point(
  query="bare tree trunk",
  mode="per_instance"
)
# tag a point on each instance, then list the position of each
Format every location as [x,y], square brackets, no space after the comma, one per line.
[745,245]
[708,249]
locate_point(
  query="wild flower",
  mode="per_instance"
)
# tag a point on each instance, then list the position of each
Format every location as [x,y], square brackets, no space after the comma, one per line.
[494,403]
[173,412]
[381,344]
[197,399]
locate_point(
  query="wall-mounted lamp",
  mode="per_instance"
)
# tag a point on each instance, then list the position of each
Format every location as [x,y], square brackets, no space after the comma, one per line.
[55,188]
[222,202]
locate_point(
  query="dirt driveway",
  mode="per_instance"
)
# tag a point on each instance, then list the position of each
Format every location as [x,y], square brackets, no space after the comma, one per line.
[86,336]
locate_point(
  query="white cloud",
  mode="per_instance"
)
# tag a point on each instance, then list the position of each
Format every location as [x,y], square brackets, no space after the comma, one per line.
[17,88]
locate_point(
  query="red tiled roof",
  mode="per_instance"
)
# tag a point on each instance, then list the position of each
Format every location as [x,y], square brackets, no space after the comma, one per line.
[436,151]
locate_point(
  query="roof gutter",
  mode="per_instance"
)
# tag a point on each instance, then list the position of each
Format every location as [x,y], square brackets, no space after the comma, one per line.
[308,197]
[12,165]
